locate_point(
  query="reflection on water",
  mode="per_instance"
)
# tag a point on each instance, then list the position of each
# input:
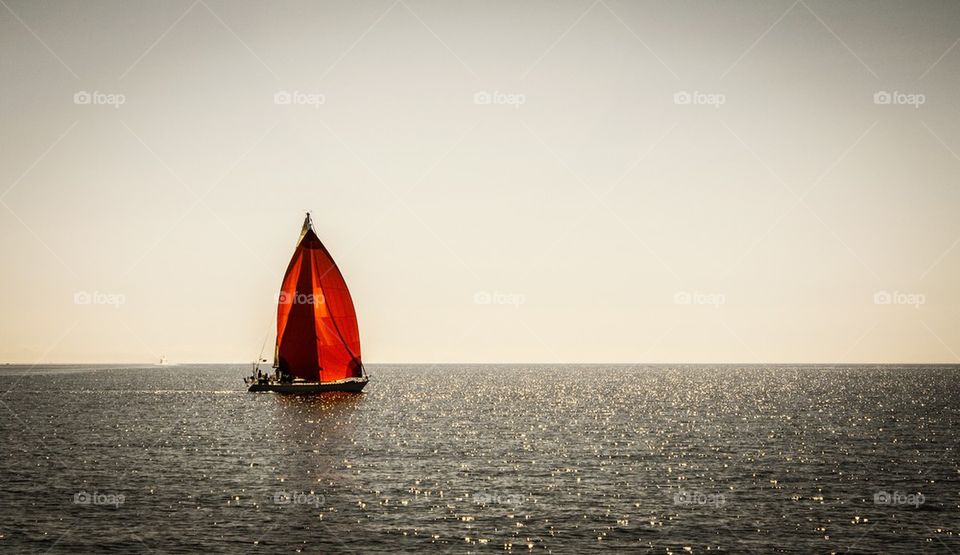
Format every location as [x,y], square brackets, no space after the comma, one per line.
[308,429]
[544,459]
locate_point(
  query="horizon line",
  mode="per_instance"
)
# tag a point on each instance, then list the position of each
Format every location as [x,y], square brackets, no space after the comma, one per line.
[235,363]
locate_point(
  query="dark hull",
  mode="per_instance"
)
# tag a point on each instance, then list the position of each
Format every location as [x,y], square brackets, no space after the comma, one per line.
[349,386]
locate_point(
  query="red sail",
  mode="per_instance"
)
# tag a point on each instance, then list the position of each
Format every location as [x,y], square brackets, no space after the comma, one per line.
[317,334]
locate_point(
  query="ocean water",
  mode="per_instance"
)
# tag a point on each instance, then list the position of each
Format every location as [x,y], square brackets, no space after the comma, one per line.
[460,458]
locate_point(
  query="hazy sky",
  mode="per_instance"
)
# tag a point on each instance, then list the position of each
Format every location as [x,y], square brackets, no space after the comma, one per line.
[499,181]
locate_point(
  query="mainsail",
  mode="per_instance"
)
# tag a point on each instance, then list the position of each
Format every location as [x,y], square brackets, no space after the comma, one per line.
[317,335]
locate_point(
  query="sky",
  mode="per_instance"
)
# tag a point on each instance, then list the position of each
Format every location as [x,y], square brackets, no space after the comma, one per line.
[575,181]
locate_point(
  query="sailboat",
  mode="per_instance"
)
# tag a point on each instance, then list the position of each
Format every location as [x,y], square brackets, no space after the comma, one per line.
[318,340]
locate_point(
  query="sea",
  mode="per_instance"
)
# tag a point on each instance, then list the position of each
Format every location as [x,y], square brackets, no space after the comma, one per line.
[483,458]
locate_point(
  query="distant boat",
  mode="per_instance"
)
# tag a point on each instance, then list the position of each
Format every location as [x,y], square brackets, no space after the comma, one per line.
[318,340]
[163,361]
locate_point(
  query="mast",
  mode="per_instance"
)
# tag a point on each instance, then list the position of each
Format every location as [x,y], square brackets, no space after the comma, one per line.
[307,226]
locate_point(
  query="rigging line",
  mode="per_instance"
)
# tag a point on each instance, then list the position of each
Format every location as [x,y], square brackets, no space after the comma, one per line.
[263,346]
[266,336]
